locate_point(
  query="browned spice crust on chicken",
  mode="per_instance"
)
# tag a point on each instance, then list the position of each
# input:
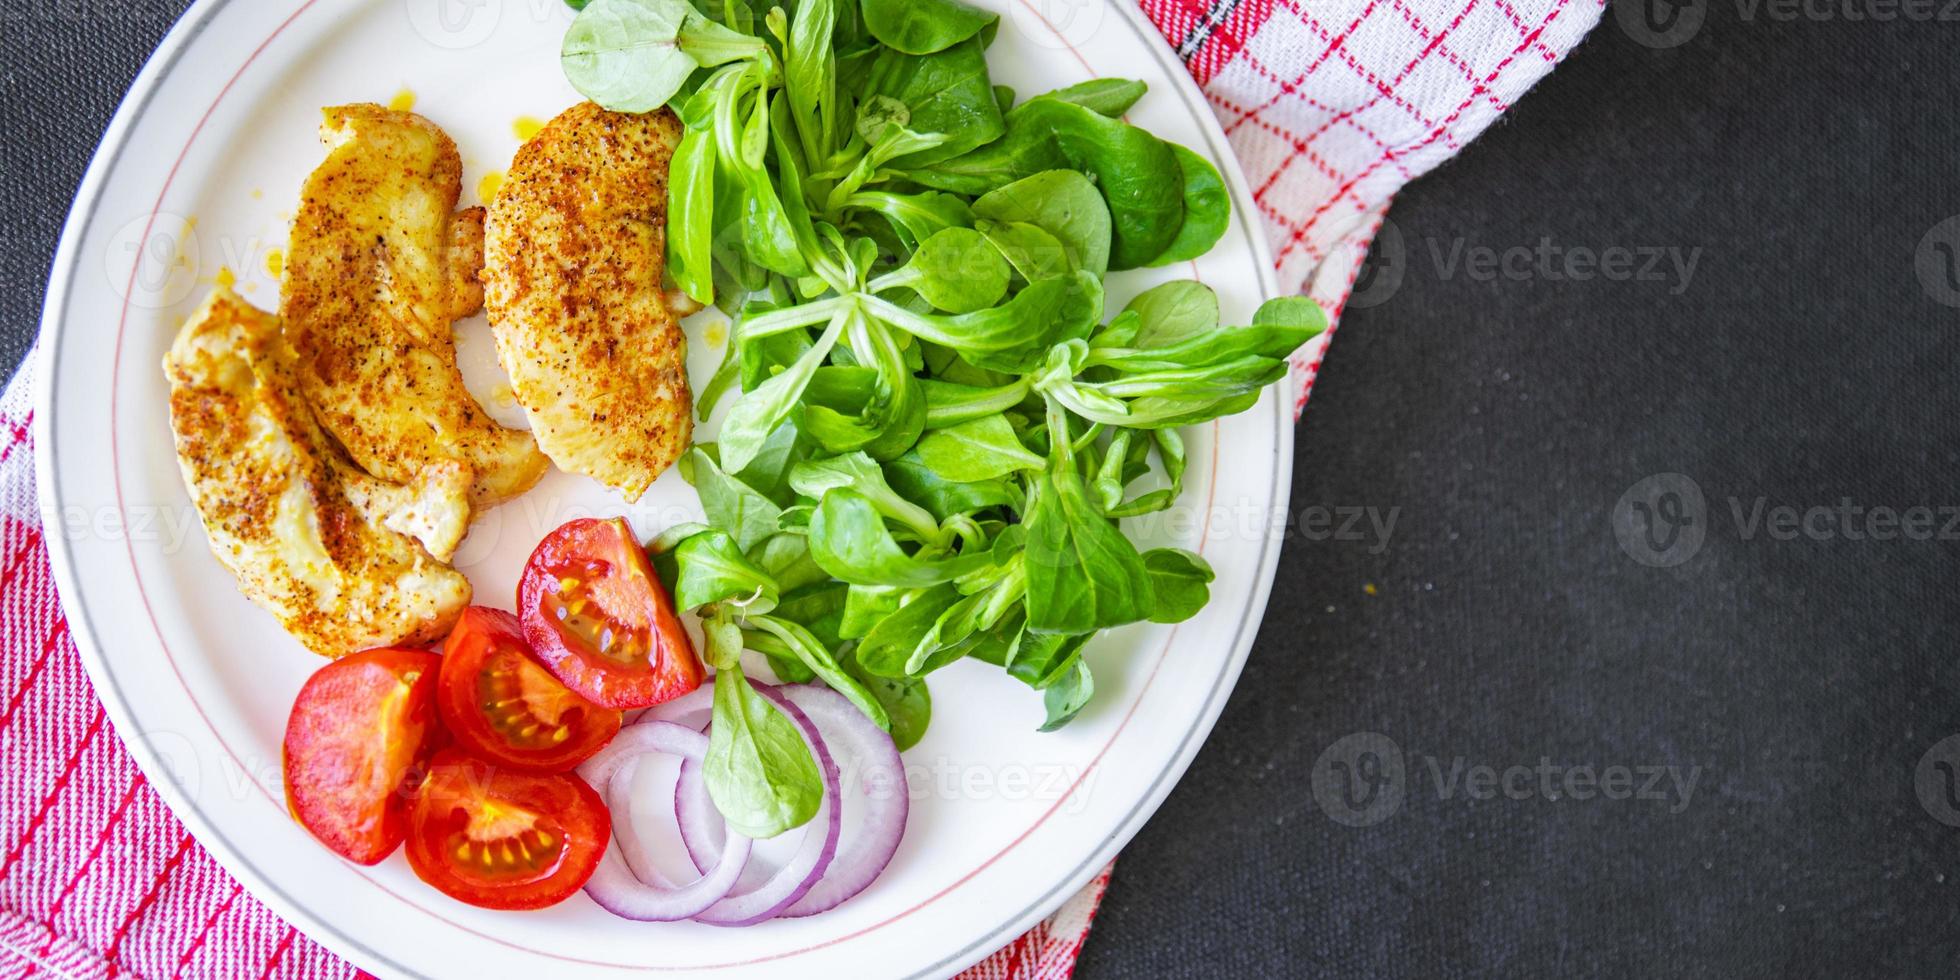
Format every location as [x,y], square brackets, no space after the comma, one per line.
[379,267]
[346,562]
[575,252]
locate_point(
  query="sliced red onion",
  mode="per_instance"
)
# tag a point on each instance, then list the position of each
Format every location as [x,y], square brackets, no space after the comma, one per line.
[634,741]
[703,831]
[632,887]
[747,905]
[694,710]
[688,900]
[691,710]
[875,801]
[701,826]
[875,798]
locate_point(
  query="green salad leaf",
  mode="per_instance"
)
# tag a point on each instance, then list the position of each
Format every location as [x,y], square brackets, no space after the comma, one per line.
[906,700]
[1207,209]
[1110,97]
[945,92]
[626,54]
[1068,696]
[759,770]
[713,570]
[634,55]
[848,537]
[1065,206]
[984,449]
[1083,573]
[1180,584]
[956,270]
[733,506]
[932,432]
[924,26]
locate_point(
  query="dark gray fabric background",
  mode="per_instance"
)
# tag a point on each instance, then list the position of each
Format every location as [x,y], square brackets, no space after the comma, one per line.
[1501,419]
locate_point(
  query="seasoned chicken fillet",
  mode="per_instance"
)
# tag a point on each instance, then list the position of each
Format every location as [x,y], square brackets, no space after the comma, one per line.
[575,249]
[342,559]
[379,267]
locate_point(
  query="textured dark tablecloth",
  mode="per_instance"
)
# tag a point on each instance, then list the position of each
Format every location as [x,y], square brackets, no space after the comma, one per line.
[1782,671]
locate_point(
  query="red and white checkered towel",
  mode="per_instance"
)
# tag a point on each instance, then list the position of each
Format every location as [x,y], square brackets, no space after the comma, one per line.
[1332,105]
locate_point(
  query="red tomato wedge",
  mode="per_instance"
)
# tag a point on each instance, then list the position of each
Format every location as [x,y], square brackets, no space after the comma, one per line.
[502,839]
[598,618]
[502,705]
[356,743]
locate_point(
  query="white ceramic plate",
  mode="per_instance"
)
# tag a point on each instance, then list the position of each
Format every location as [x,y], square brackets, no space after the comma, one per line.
[198,172]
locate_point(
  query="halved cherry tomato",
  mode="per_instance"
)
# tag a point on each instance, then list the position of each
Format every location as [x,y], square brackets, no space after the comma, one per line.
[360,734]
[599,619]
[503,706]
[502,839]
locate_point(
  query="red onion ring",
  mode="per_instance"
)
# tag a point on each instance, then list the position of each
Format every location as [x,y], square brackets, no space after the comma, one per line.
[698,819]
[702,829]
[691,710]
[688,900]
[875,800]
[632,888]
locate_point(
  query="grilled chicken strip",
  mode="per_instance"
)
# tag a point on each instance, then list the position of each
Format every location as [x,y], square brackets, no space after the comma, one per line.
[575,249]
[338,556]
[379,267]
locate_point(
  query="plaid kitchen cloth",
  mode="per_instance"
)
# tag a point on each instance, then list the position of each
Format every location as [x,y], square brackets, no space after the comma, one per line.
[1331,105]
